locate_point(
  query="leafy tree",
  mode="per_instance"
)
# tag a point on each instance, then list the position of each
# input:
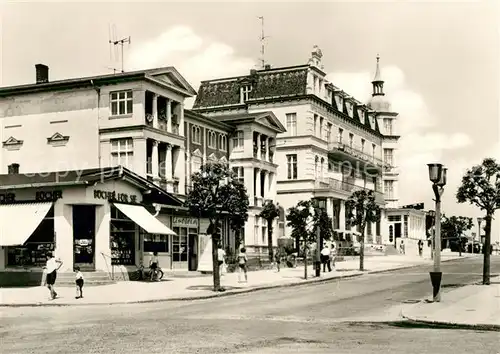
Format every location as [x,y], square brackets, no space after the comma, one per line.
[363,209]
[453,229]
[269,213]
[305,218]
[481,187]
[216,195]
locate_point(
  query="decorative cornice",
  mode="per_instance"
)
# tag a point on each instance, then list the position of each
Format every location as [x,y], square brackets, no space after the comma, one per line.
[12,143]
[58,139]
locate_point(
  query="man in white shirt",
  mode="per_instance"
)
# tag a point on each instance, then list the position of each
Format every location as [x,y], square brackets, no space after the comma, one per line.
[51,269]
[221,256]
[325,258]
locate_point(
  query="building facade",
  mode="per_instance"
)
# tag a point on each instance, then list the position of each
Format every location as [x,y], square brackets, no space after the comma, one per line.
[333,143]
[137,120]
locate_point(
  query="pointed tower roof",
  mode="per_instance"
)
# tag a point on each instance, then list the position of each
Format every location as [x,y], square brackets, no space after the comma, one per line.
[377,77]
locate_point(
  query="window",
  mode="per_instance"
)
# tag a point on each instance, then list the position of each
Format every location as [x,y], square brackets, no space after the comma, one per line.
[196,134]
[316,169]
[256,229]
[156,243]
[315,125]
[374,150]
[122,151]
[179,245]
[196,163]
[389,189]
[122,238]
[388,156]
[321,127]
[264,234]
[222,142]
[245,93]
[291,124]
[351,139]
[34,251]
[405,222]
[211,139]
[341,133]
[321,167]
[291,162]
[239,174]
[238,140]
[121,103]
[362,145]
[328,132]
[388,126]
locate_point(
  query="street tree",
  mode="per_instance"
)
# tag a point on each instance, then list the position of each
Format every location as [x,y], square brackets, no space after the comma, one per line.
[216,195]
[481,187]
[453,229]
[269,213]
[362,209]
[306,219]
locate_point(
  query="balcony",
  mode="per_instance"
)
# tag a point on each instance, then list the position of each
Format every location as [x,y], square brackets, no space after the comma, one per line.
[354,155]
[344,187]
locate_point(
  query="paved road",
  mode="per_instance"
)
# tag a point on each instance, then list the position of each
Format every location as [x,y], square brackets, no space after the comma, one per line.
[338,317]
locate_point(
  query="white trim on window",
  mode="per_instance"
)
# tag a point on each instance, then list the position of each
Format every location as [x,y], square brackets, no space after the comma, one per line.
[122,152]
[196,134]
[121,103]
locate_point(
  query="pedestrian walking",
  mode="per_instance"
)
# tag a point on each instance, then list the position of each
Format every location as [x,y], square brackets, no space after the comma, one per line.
[402,247]
[221,256]
[277,259]
[79,283]
[420,247]
[51,269]
[242,264]
[332,255]
[325,258]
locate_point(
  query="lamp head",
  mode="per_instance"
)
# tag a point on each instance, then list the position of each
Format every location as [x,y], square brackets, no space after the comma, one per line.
[442,179]
[435,171]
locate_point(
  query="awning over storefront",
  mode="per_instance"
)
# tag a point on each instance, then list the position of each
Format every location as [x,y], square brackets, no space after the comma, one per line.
[144,219]
[19,221]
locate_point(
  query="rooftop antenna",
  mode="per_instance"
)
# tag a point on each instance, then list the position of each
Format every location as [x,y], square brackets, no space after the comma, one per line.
[262,43]
[117,42]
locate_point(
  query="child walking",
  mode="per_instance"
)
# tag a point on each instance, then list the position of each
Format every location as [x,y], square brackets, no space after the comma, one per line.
[242,263]
[79,283]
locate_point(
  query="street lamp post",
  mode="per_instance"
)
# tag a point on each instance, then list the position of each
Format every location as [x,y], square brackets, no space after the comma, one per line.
[432,214]
[437,175]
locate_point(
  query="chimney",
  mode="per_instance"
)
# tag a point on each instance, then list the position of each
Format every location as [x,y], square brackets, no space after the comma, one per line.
[267,67]
[42,73]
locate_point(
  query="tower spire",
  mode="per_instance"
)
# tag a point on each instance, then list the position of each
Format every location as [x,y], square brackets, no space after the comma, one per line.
[378,83]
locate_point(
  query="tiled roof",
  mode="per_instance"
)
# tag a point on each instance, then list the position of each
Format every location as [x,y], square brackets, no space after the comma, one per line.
[265,83]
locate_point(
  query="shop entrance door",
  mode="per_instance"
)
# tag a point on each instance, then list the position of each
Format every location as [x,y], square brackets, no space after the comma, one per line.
[84,237]
[193,252]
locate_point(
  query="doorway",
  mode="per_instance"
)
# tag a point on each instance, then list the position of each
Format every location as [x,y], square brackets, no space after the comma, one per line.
[397,232]
[193,252]
[84,237]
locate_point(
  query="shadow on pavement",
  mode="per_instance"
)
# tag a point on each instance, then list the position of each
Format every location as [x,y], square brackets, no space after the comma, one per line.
[210,287]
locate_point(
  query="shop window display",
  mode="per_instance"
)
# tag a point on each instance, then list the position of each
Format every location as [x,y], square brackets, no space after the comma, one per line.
[33,253]
[156,243]
[179,245]
[122,238]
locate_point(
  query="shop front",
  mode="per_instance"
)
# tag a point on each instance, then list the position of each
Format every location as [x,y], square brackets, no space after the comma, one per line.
[95,221]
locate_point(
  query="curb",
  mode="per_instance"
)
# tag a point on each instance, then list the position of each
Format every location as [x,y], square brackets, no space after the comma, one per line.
[222,294]
[415,322]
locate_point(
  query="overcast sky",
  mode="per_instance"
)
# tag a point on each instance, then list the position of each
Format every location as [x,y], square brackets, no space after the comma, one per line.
[440,60]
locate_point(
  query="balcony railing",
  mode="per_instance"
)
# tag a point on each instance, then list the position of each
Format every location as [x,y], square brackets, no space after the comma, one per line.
[356,152]
[335,184]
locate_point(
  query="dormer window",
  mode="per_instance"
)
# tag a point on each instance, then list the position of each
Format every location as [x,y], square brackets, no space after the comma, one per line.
[245,93]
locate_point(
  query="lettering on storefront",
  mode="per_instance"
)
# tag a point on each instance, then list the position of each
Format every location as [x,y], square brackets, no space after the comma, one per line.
[184,222]
[50,196]
[7,198]
[115,197]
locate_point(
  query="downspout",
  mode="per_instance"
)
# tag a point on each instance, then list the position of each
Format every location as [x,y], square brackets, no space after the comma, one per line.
[98,91]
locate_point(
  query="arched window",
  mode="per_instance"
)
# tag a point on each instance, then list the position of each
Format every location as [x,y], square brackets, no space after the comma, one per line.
[316,161]
[321,167]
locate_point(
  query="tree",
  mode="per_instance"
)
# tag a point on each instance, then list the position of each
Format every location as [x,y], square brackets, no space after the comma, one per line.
[453,229]
[216,195]
[481,187]
[305,218]
[269,213]
[362,209]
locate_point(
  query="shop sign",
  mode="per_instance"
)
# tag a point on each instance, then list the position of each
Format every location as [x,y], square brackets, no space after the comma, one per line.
[115,197]
[184,222]
[50,196]
[7,198]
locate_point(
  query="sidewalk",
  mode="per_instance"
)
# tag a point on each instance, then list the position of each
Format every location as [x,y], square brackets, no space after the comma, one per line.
[472,306]
[201,287]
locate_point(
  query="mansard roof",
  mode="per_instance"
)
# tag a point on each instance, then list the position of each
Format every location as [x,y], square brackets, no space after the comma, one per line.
[279,82]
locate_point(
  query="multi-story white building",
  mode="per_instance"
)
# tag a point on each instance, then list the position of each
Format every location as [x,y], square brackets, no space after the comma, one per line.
[136,120]
[333,144]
